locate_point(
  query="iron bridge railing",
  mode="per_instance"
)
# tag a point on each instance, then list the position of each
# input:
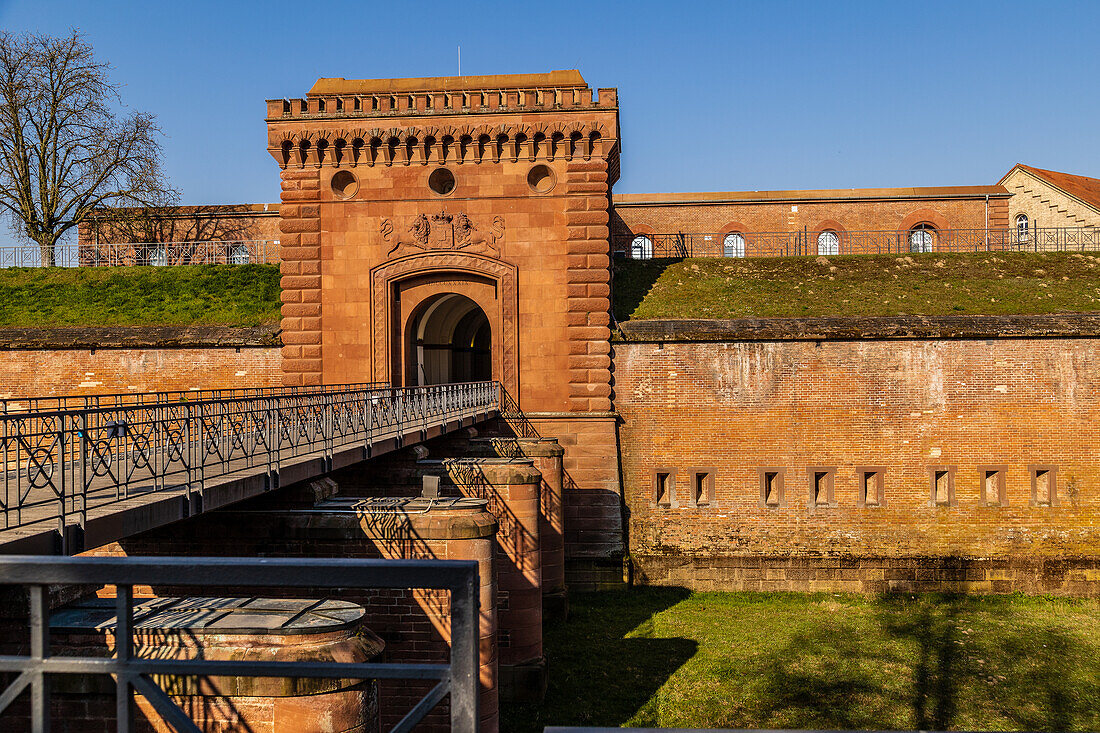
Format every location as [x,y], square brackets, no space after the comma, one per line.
[134,672]
[49,403]
[59,464]
[809,242]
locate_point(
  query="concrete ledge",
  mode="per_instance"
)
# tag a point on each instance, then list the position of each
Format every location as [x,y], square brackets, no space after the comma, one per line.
[1077,576]
[830,328]
[137,337]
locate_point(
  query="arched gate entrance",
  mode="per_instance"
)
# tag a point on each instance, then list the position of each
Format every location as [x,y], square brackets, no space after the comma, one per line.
[448,339]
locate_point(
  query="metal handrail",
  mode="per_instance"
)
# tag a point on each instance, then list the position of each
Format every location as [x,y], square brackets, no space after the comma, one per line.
[58,464]
[458,678]
[129,254]
[816,242]
[56,403]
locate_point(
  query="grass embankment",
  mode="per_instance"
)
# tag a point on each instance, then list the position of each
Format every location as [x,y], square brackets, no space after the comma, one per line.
[197,295]
[858,285]
[654,657]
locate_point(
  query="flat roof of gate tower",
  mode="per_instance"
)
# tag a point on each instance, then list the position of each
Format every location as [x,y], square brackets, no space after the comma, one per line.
[567,78]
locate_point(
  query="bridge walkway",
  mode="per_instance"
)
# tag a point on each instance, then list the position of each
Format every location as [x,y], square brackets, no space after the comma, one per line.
[82,477]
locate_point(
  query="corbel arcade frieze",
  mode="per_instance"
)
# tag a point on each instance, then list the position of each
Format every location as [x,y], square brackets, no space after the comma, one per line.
[439,145]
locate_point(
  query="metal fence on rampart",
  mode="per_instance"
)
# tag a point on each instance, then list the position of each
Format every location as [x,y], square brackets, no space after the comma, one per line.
[834,242]
[154,254]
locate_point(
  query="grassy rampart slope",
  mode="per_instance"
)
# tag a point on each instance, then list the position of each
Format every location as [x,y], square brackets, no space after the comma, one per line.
[200,295]
[858,285]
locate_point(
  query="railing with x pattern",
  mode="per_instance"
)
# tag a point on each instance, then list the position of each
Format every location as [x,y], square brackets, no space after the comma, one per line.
[59,464]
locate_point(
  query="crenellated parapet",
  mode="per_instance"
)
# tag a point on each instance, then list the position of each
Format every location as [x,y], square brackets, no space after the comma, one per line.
[442,121]
[335,98]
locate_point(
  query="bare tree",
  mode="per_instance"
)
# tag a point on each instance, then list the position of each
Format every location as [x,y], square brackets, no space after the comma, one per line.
[64,151]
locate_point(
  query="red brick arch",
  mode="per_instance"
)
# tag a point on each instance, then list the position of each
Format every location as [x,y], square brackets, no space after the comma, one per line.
[922,216]
[734,226]
[830,224]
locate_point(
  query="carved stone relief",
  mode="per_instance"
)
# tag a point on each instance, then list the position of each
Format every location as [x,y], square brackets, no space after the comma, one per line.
[444,232]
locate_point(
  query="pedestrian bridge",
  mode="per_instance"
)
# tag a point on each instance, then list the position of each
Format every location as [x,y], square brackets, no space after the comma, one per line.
[83,471]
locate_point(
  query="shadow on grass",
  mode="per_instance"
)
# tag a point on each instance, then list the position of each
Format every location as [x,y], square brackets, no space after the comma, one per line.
[632,280]
[931,663]
[605,662]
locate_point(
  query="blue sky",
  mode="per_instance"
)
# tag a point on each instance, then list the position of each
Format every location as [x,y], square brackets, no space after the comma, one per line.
[713,95]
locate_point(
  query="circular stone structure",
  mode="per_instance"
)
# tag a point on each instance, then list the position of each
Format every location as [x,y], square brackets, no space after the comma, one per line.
[239,629]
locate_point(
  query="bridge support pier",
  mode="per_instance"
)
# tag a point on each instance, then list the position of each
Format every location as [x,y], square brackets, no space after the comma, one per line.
[546,455]
[511,486]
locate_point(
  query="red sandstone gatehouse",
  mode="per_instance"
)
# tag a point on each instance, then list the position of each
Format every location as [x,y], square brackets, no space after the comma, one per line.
[455,229]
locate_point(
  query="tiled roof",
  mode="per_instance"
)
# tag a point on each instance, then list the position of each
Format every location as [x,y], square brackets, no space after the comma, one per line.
[1080,187]
[717,197]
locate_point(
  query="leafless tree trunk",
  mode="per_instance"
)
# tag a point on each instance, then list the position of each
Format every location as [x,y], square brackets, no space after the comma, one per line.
[64,151]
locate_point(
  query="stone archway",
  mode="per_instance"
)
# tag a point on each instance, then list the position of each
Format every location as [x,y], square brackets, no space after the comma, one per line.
[448,339]
[402,291]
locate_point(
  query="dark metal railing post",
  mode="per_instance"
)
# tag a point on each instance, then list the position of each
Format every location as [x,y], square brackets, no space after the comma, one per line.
[124,639]
[465,690]
[82,456]
[40,649]
[61,485]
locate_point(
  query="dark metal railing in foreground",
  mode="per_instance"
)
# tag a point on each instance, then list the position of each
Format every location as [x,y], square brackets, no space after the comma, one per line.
[809,242]
[59,464]
[133,673]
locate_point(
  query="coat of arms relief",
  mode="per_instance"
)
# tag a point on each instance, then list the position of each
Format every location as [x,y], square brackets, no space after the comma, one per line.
[444,231]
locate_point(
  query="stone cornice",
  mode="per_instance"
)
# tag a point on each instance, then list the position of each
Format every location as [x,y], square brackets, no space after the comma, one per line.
[80,338]
[833,328]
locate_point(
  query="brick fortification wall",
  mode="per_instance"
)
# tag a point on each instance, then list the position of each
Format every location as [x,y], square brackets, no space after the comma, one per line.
[108,360]
[922,461]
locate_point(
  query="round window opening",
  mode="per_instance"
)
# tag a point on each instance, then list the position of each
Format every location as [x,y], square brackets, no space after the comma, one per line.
[344,184]
[540,179]
[441,181]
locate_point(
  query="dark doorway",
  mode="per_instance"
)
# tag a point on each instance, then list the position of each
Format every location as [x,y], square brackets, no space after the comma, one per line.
[449,340]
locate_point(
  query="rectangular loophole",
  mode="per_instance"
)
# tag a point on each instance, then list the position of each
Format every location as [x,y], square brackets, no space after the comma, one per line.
[664,486]
[993,485]
[771,487]
[702,486]
[821,480]
[1044,487]
[872,482]
[941,487]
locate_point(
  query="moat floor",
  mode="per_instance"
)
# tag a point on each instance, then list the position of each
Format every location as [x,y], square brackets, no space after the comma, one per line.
[664,657]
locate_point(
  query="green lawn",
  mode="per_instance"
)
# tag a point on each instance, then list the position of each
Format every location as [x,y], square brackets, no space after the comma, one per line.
[660,657]
[230,295]
[858,285]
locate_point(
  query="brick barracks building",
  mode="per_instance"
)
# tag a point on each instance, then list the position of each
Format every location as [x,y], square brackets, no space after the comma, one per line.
[456,229]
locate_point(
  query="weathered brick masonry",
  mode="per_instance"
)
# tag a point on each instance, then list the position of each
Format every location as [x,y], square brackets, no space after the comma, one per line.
[863,455]
[87,360]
